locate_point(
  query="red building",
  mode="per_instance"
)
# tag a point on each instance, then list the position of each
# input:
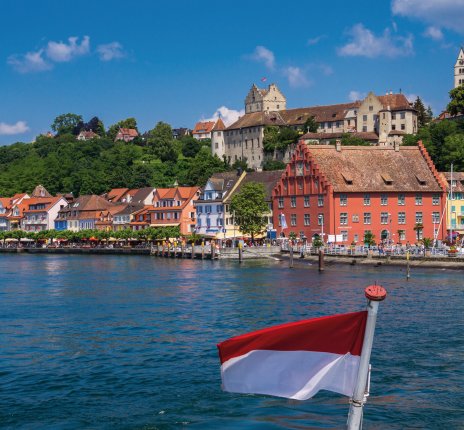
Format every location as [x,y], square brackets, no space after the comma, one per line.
[343,192]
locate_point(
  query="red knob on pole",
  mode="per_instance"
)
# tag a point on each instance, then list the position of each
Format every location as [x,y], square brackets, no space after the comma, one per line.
[375,293]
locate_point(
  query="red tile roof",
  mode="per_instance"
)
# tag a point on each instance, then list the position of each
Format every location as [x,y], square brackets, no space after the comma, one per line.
[367,167]
[395,101]
[132,132]
[219,125]
[116,194]
[203,127]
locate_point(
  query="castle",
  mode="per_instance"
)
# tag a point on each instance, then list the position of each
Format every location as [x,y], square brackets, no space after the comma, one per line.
[381,120]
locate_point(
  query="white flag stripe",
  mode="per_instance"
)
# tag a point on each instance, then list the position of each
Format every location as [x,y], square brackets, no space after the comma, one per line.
[292,374]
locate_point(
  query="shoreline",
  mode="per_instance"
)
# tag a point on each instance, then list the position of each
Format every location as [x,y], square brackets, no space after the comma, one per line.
[329,260]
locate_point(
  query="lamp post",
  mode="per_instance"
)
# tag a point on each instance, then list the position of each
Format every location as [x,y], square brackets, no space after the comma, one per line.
[233,220]
[389,228]
[321,222]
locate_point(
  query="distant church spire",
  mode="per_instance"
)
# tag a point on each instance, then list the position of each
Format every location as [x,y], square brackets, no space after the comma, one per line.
[459,69]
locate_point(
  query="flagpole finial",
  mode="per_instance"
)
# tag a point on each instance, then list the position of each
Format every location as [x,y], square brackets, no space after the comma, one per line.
[375,292]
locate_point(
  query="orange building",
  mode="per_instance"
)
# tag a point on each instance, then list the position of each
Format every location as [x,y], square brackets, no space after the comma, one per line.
[174,207]
[344,192]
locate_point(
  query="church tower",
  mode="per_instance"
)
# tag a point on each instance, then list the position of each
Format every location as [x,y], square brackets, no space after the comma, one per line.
[459,69]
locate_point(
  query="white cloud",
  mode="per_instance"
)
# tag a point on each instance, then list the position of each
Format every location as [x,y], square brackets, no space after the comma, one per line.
[264,55]
[30,62]
[63,52]
[315,40]
[364,43]
[229,116]
[433,33]
[296,77]
[10,129]
[440,13]
[110,51]
[356,95]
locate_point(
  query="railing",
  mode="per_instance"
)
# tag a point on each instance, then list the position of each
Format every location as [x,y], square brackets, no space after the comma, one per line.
[362,251]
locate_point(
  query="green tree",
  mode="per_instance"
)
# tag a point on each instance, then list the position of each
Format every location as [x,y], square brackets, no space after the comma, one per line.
[125,123]
[456,105]
[273,165]
[95,125]
[190,146]
[250,207]
[66,123]
[453,152]
[310,125]
[349,139]
[161,143]
[203,166]
[270,139]
[369,239]
[422,115]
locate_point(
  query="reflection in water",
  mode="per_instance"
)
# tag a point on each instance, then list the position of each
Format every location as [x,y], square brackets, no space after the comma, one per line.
[130,342]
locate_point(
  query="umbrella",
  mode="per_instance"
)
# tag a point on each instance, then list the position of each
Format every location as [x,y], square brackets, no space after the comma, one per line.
[10,239]
[25,239]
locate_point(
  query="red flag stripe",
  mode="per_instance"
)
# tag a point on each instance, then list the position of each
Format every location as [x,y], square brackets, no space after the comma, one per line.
[337,334]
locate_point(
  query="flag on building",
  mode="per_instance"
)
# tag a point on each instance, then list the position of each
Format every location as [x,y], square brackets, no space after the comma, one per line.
[283,222]
[296,360]
[263,79]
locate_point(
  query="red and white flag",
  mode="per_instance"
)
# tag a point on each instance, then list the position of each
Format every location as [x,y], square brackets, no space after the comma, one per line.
[296,360]
[263,79]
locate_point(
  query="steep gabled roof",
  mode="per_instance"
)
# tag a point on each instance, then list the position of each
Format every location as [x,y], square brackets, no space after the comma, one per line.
[219,126]
[367,168]
[40,191]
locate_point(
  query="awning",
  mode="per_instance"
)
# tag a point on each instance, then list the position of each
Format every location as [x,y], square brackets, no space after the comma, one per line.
[165,225]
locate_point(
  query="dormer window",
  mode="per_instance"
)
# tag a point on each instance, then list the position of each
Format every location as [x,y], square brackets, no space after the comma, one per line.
[386,178]
[422,180]
[348,178]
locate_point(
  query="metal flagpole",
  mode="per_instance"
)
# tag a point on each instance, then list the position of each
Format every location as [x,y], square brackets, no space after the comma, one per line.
[375,294]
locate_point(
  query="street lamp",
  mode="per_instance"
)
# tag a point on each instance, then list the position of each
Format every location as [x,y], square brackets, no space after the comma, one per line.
[321,222]
[389,228]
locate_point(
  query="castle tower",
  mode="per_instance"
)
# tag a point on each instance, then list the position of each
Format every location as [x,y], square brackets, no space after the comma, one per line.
[217,139]
[265,99]
[459,69]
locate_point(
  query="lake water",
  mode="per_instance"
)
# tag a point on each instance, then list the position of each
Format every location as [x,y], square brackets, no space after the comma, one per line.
[125,342]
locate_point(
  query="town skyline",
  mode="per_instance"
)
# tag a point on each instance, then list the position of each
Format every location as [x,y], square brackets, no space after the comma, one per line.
[82,65]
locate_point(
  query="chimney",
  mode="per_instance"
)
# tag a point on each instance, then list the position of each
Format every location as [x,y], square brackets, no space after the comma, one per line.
[338,145]
[396,145]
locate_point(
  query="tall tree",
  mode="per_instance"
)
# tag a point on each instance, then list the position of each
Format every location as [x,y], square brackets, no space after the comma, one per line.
[66,123]
[249,206]
[95,125]
[161,143]
[456,105]
[421,112]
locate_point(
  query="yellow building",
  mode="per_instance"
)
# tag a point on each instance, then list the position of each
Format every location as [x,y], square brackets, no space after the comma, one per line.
[455,203]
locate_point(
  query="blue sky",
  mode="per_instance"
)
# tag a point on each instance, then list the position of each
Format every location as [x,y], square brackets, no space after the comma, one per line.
[180,61]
